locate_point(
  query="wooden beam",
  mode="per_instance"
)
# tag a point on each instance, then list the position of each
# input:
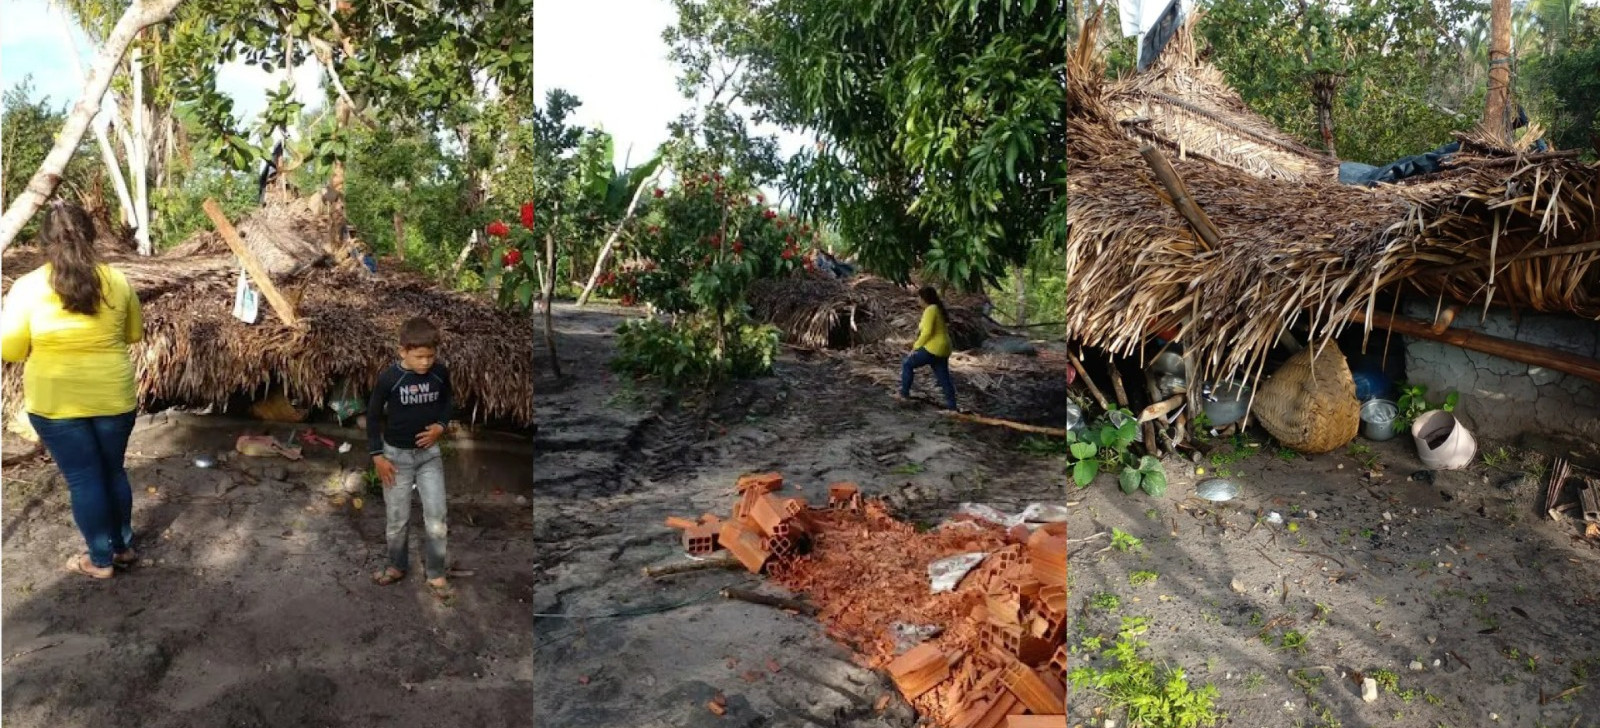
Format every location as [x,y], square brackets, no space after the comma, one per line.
[1018,426]
[1210,237]
[252,266]
[1530,354]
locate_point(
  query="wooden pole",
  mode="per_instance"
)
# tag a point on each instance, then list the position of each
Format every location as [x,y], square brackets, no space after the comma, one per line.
[1018,426]
[1497,107]
[1524,255]
[1530,354]
[252,265]
[1210,237]
[793,605]
[1099,397]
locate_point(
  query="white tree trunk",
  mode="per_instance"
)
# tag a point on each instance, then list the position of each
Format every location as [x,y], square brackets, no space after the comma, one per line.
[140,163]
[102,120]
[140,15]
[605,251]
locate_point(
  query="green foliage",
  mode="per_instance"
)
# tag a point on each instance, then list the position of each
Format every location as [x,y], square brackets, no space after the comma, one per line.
[1567,78]
[1154,696]
[1106,447]
[689,354]
[1393,62]
[1140,578]
[941,144]
[1414,403]
[1123,541]
[28,129]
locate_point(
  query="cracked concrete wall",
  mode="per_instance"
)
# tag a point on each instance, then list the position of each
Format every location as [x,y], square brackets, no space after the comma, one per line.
[1503,399]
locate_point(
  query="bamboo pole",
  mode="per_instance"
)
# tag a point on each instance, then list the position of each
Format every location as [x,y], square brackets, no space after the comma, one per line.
[1530,354]
[252,265]
[1210,237]
[1018,426]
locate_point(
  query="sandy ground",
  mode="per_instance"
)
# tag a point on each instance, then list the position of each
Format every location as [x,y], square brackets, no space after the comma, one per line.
[614,648]
[254,605]
[1485,613]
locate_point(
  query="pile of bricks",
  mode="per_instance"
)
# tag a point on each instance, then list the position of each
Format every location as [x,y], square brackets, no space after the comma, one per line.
[764,530]
[1002,662]
[1015,671]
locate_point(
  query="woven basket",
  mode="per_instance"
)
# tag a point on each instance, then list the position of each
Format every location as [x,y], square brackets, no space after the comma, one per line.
[1313,412]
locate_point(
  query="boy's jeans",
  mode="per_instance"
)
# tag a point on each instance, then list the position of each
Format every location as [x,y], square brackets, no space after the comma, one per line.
[425,469]
[90,451]
[941,373]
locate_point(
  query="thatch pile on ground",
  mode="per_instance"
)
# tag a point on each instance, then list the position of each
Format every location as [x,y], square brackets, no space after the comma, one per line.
[196,353]
[1295,245]
[828,313]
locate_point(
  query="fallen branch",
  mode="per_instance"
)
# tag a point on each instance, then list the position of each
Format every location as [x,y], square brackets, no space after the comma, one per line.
[1019,426]
[725,561]
[1099,397]
[793,605]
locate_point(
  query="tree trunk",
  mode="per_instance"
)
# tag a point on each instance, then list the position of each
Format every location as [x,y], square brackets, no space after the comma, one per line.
[102,137]
[461,260]
[605,251]
[1497,108]
[336,183]
[548,295]
[140,163]
[1020,275]
[140,15]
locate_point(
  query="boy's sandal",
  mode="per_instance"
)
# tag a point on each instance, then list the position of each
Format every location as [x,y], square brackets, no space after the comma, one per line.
[388,576]
[441,591]
[80,565]
[125,559]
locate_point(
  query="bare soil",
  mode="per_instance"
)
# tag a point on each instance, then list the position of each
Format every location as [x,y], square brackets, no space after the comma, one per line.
[613,647]
[254,604]
[1486,612]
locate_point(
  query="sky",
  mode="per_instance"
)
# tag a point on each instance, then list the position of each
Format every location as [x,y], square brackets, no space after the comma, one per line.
[33,41]
[611,56]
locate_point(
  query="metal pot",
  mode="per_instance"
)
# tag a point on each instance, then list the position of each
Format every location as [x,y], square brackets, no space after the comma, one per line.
[1377,419]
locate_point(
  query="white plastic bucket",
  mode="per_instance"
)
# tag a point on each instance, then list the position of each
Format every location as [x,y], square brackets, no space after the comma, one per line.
[1453,447]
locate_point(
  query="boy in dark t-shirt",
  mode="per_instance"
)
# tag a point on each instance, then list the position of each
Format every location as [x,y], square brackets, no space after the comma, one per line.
[409,412]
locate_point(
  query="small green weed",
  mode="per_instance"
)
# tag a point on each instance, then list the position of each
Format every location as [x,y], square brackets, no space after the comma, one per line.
[1140,578]
[1123,541]
[1287,455]
[1293,640]
[1152,695]
[1254,681]
[1496,457]
[1106,601]
[908,469]
[1387,680]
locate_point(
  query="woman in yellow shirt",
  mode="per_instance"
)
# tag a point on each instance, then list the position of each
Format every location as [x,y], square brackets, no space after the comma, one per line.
[932,348]
[71,321]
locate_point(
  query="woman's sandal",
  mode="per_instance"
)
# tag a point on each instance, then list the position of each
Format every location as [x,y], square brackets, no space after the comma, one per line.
[388,576]
[80,565]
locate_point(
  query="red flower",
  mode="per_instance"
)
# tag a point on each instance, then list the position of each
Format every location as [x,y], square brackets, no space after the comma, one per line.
[527,215]
[789,239]
[716,241]
[769,214]
[628,300]
[511,258]
[780,224]
[738,246]
[788,253]
[660,193]
[761,199]
[498,229]
[717,177]
[655,229]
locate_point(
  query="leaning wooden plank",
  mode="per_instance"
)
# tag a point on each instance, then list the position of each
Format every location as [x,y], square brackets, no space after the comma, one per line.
[252,265]
[1539,356]
[1019,426]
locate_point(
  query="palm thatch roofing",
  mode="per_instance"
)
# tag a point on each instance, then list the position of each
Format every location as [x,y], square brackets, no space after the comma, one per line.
[830,313]
[1295,245]
[196,353]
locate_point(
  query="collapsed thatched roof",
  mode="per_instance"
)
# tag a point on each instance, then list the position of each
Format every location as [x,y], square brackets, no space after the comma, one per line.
[1293,242]
[828,313]
[195,352]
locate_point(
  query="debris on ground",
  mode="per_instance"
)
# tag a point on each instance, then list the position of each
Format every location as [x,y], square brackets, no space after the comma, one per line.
[996,642]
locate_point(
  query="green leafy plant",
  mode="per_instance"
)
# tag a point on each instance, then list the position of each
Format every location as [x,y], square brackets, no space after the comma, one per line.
[692,353]
[1123,541]
[1140,578]
[1153,695]
[1414,403]
[1106,601]
[1106,448]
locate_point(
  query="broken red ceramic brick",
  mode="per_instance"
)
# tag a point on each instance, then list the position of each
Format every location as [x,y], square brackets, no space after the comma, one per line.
[1058,661]
[760,483]
[680,523]
[744,544]
[841,494]
[768,515]
[1030,690]
[701,539]
[919,670]
[1048,554]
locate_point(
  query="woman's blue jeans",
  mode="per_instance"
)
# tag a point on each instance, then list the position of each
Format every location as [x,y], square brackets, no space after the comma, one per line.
[90,451]
[941,373]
